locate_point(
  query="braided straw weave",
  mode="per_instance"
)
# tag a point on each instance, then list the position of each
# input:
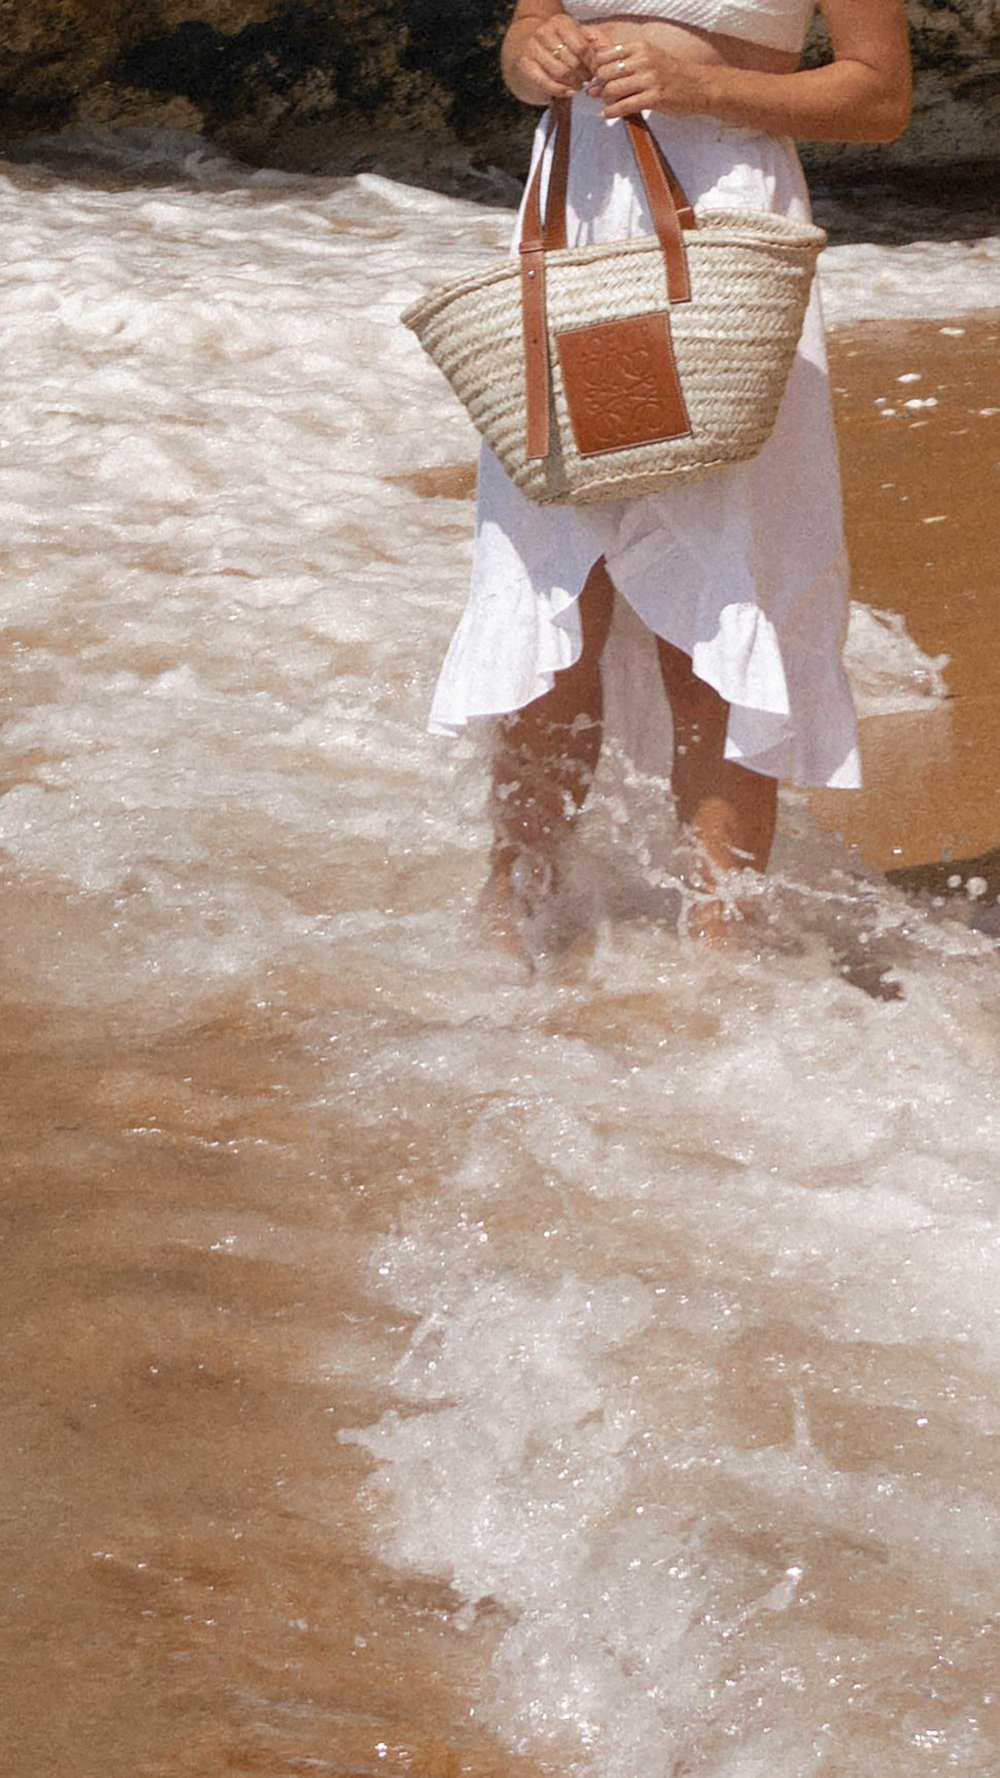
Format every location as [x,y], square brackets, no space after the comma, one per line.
[734,344]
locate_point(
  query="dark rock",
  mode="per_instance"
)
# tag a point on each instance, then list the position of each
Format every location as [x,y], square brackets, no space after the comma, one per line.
[412,85]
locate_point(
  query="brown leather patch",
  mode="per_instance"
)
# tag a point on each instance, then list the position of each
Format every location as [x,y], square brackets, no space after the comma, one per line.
[621,384]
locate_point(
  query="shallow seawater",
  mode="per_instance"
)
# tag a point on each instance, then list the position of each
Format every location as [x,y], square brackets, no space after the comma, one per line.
[412,1366]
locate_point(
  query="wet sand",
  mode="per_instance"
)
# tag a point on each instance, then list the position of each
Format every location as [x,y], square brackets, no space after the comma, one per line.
[189,1587]
[922,499]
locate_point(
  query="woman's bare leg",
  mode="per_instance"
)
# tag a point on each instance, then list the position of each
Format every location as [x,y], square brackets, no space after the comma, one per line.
[729,811]
[543,766]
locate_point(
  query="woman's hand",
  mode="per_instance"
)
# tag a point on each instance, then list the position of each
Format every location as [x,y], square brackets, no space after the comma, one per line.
[639,76]
[551,59]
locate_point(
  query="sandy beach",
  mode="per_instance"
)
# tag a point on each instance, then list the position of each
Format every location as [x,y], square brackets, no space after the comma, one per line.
[407,1372]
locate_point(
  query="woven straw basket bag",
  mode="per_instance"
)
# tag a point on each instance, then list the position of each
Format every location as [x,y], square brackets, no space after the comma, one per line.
[600,372]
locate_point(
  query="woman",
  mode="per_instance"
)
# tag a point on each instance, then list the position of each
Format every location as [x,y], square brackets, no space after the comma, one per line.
[739,576]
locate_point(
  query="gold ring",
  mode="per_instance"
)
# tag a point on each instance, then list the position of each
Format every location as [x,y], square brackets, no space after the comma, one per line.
[559,49]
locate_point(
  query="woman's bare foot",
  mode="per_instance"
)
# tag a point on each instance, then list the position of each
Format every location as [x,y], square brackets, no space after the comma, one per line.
[502,919]
[721,925]
[514,894]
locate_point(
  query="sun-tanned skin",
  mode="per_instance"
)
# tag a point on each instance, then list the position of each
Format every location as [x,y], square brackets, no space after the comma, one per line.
[545,754]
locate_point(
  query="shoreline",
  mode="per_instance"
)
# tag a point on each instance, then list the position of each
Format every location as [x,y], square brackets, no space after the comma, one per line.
[923,528]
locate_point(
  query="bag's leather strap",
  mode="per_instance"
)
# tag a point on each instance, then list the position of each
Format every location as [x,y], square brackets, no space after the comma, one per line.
[671,212]
[538,236]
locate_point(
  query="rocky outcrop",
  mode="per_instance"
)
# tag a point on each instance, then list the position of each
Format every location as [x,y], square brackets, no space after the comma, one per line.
[333,84]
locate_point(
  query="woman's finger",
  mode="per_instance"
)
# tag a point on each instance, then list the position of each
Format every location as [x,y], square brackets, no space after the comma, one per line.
[566,30]
[554,84]
[563,68]
[564,34]
[565,63]
[643,100]
[555,62]
[619,84]
[611,55]
[626,88]
[619,69]
[557,80]
[608,50]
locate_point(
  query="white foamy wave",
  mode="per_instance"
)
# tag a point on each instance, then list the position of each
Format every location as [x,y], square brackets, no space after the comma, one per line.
[640,1333]
[889,672]
[918,281]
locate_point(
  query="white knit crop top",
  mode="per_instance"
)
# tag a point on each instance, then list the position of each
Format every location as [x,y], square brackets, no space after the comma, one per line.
[780,24]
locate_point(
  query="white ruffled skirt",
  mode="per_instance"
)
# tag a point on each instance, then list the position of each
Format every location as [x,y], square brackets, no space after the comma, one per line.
[744,569]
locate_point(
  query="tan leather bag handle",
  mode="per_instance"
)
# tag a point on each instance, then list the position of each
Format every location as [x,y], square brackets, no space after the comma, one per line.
[672,214]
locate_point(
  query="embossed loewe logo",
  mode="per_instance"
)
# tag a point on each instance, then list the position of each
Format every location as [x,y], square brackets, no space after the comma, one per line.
[621,384]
